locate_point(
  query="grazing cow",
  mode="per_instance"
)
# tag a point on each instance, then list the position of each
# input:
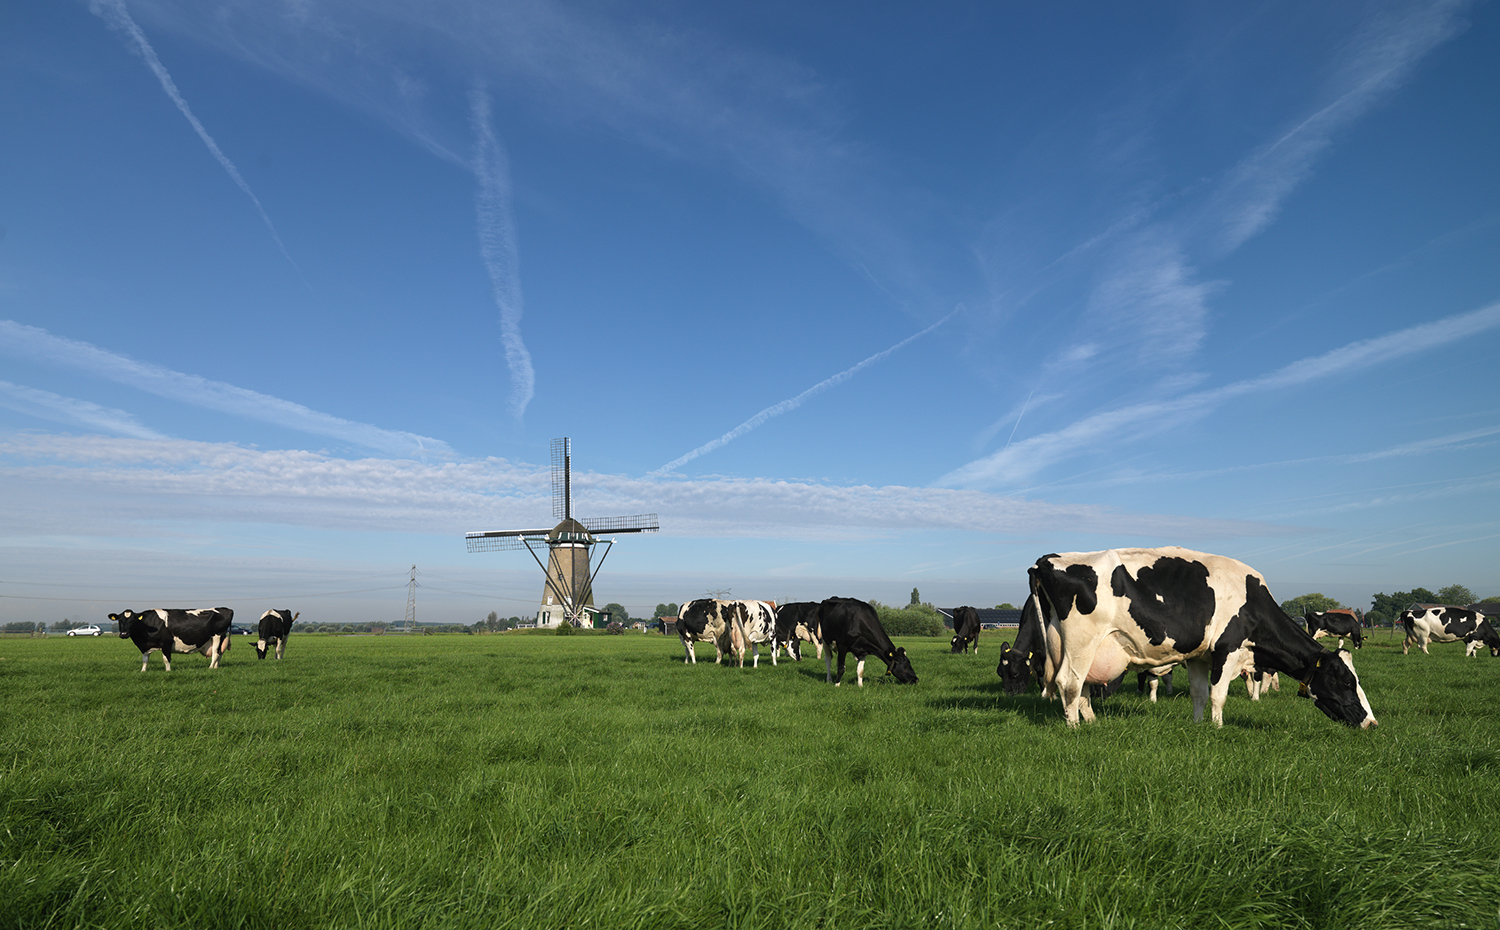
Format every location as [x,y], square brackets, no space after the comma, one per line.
[204,631]
[710,621]
[275,627]
[1448,625]
[1340,622]
[758,620]
[1019,663]
[1104,612]
[965,630]
[853,626]
[797,623]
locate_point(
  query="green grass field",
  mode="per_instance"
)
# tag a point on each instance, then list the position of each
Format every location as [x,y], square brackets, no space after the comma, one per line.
[538,781]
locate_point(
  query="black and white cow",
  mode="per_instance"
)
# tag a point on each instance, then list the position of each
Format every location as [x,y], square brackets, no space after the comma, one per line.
[1027,658]
[849,625]
[797,623]
[275,627]
[1448,625]
[1340,622]
[707,620]
[1104,612]
[965,630]
[205,631]
[758,620]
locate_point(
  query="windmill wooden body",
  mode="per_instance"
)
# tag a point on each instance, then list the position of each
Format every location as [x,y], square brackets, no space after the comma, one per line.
[568,584]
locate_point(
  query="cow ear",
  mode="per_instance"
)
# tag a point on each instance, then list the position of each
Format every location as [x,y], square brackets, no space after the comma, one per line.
[901,651]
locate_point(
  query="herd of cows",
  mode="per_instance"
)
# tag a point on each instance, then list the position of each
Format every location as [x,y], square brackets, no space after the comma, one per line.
[1091,616]
[205,631]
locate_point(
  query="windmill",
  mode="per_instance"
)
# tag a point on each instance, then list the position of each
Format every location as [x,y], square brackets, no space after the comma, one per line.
[568,589]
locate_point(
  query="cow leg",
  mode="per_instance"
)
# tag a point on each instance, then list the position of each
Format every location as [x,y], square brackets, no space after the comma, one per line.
[1219,693]
[166,657]
[1155,681]
[145,657]
[1198,683]
[859,670]
[828,668]
[1471,649]
[215,649]
[839,678]
[773,656]
[280,649]
[687,652]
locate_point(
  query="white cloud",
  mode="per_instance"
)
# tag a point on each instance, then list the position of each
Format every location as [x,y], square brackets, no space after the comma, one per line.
[1023,460]
[34,343]
[102,486]
[72,411]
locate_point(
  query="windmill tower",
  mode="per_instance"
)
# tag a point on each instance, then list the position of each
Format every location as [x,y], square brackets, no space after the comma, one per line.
[568,585]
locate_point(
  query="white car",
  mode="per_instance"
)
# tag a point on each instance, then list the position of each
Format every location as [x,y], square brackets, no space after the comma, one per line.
[90,630]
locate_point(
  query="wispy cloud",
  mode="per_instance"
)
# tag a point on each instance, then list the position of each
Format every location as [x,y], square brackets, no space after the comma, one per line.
[117,481]
[497,246]
[114,13]
[71,411]
[31,342]
[1019,462]
[793,403]
[1373,63]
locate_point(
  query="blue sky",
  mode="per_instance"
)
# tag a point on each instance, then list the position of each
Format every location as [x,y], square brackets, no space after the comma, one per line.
[857,297]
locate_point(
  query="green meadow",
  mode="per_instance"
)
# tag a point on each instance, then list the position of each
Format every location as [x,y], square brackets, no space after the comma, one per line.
[540,781]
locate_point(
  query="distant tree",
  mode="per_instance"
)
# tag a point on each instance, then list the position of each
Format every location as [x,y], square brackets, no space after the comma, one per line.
[915,597]
[20,626]
[617,613]
[1457,595]
[1308,603]
[1005,606]
[666,610]
[1386,608]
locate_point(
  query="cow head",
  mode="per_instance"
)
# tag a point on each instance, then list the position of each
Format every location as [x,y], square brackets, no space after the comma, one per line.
[899,665]
[126,619]
[958,644]
[1485,633]
[1014,669]
[1334,688]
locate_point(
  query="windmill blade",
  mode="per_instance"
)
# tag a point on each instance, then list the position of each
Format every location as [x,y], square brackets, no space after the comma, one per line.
[501,540]
[562,478]
[639,523]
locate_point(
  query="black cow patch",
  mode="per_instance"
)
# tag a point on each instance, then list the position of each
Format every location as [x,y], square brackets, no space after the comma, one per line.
[1169,598]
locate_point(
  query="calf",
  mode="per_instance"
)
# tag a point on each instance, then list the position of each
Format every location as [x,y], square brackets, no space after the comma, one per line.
[965,630]
[1448,625]
[1340,622]
[853,626]
[797,623]
[205,631]
[275,627]
[1104,612]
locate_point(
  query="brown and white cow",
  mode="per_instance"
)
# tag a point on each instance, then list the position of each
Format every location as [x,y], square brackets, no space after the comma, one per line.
[1104,612]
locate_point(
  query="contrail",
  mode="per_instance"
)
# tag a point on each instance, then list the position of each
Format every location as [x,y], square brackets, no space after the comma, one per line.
[114,14]
[497,247]
[793,403]
[34,343]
